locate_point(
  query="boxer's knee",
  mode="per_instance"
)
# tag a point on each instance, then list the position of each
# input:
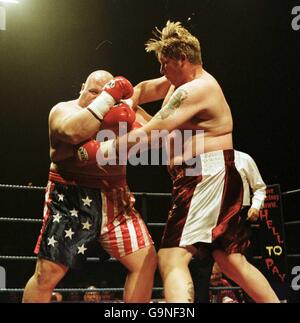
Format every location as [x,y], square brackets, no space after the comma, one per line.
[48,274]
[230,264]
[169,258]
[143,260]
[151,259]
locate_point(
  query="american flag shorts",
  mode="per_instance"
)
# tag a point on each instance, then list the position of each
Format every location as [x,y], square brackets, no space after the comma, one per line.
[76,216]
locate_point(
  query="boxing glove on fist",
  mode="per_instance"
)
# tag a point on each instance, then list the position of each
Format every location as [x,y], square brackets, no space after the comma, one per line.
[119,88]
[94,152]
[113,91]
[118,113]
[86,153]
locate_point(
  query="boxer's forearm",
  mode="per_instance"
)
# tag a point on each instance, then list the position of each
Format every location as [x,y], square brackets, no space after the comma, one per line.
[150,90]
[78,127]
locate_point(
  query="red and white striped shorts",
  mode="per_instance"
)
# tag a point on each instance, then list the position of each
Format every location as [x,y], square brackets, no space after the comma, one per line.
[123,230]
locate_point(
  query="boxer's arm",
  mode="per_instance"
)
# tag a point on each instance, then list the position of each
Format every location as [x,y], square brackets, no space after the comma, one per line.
[142,116]
[74,126]
[186,102]
[71,126]
[150,90]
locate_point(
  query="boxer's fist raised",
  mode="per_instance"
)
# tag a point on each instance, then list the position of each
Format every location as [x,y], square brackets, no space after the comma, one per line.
[113,91]
[119,88]
[118,113]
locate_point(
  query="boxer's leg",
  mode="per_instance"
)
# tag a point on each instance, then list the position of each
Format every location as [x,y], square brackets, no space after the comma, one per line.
[40,286]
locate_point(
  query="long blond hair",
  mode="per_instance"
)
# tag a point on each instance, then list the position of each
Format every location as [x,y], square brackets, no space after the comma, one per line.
[173,41]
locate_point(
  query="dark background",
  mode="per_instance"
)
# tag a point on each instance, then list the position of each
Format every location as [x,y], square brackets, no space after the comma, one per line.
[50,47]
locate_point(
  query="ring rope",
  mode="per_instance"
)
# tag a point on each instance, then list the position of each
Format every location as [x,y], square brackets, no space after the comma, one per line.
[296,255]
[20,220]
[42,188]
[292,223]
[291,192]
[150,224]
[97,259]
[113,289]
[151,194]
[39,188]
[22,187]
[89,259]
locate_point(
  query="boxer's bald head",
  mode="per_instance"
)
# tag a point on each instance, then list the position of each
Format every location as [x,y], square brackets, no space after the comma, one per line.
[93,86]
[99,76]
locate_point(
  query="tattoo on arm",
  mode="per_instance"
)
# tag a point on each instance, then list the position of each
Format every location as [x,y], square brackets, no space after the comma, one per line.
[172,105]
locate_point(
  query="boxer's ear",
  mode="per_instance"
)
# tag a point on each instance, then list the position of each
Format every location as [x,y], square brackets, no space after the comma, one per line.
[82,87]
[183,57]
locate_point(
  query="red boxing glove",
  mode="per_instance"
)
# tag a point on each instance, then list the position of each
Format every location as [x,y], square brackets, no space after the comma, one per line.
[118,113]
[119,88]
[136,125]
[86,153]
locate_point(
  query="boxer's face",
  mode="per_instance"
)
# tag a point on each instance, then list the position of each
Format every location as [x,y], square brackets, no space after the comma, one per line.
[90,90]
[171,69]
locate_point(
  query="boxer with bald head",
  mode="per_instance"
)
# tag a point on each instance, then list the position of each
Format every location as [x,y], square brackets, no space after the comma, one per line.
[84,202]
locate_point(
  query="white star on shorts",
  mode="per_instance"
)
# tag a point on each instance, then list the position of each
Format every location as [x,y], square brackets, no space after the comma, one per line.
[74,213]
[87,201]
[51,241]
[86,225]
[56,217]
[81,249]
[60,197]
[69,233]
